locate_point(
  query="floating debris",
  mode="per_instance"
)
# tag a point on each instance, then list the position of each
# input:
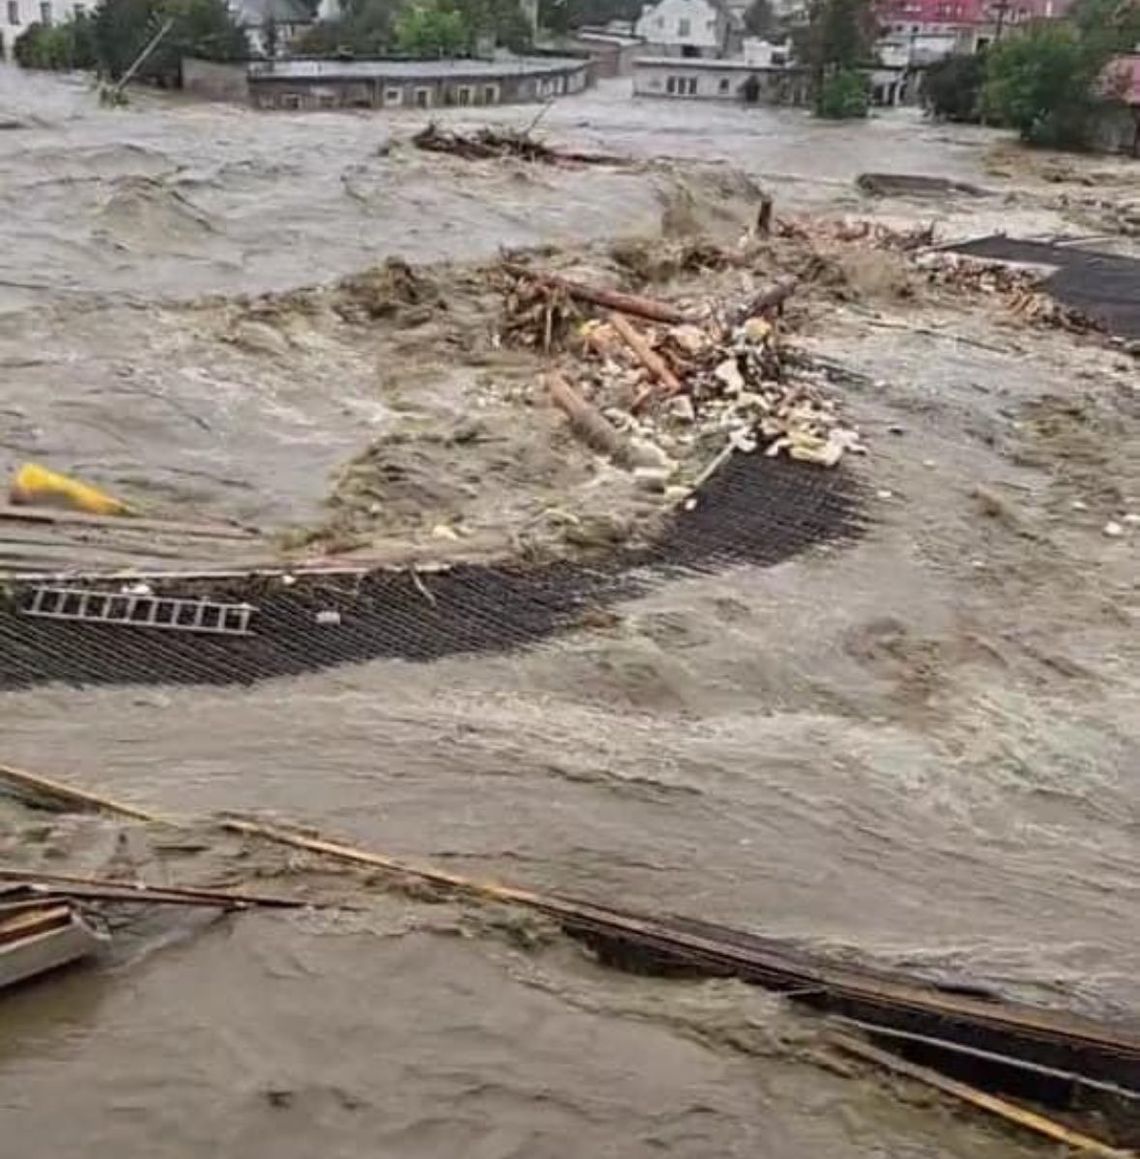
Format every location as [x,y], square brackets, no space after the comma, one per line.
[680,382]
[490,144]
[39,934]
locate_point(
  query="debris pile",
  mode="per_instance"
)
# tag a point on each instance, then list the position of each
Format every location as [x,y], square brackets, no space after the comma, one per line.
[654,394]
[847,230]
[494,144]
[1020,289]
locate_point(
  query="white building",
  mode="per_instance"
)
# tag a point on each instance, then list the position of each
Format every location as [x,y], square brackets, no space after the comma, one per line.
[765,54]
[289,18]
[719,80]
[688,28]
[20,14]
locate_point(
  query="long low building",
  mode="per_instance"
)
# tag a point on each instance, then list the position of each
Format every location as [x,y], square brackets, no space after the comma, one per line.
[422,84]
[719,80]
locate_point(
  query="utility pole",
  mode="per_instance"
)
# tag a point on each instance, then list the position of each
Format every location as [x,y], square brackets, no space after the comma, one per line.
[1001,7]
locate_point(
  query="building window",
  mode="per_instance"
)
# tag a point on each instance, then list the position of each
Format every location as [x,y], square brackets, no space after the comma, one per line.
[490,95]
[670,85]
[13,11]
[423,98]
[723,87]
[692,86]
[45,12]
[393,96]
[684,27]
[464,95]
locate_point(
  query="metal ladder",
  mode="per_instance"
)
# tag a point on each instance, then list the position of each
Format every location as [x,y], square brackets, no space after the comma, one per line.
[139,611]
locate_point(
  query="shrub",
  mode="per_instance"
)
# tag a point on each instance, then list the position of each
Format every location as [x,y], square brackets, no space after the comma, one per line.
[843,96]
[953,88]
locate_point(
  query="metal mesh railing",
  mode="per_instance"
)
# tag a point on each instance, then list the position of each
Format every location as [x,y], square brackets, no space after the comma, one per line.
[754,510]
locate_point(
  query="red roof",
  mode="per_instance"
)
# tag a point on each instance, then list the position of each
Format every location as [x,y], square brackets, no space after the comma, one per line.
[927,12]
[1122,78]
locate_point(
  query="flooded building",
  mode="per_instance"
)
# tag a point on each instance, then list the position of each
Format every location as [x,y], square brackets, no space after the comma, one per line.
[422,84]
[720,80]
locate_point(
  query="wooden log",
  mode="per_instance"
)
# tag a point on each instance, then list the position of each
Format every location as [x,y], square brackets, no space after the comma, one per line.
[23,514]
[74,885]
[647,356]
[591,426]
[768,301]
[26,925]
[1050,1038]
[83,801]
[632,304]
[992,1104]
[764,217]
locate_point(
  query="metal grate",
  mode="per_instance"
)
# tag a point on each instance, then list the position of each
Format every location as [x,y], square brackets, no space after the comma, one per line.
[138,610]
[755,511]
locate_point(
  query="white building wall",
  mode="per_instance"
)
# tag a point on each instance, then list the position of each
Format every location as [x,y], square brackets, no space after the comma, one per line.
[676,25]
[710,84]
[765,54]
[17,15]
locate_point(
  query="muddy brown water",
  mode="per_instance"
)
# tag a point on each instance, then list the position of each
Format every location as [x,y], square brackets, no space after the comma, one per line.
[920,748]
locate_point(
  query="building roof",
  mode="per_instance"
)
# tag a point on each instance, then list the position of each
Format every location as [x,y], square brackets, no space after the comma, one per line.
[258,12]
[924,13]
[703,64]
[397,70]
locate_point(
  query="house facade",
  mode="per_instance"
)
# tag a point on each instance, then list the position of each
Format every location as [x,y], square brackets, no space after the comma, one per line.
[719,80]
[693,29]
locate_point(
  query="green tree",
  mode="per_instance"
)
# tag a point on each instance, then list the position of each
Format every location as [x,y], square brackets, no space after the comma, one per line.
[760,19]
[562,16]
[202,28]
[65,47]
[843,96]
[1107,26]
[952,88]
[432,30]
[836,41]
[1043,83]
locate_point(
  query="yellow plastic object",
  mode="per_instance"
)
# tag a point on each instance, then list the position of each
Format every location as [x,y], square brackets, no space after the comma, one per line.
[36,486]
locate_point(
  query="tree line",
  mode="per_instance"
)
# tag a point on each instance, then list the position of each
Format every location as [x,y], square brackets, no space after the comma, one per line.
[1049,81]
[109,39]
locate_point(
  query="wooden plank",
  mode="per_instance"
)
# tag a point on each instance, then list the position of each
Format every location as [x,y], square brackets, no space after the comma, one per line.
[74,885]
[1049,1038]
[24,925]
[44,786]
[128,523]
[1010,1112]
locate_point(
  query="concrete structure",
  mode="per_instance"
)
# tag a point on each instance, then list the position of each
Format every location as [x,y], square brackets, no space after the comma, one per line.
[215,82]
[719,80]
[697,29]
[19,15]
[612,53]
[423,84]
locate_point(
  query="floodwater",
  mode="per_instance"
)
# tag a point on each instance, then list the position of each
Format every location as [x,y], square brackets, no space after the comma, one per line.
[920,749]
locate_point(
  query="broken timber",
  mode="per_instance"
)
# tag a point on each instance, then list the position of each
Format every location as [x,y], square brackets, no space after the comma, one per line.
[1051,1057]
[1041,1038]
[633,304]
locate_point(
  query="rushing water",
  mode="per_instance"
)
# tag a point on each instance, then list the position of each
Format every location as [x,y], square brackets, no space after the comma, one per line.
[878,749]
